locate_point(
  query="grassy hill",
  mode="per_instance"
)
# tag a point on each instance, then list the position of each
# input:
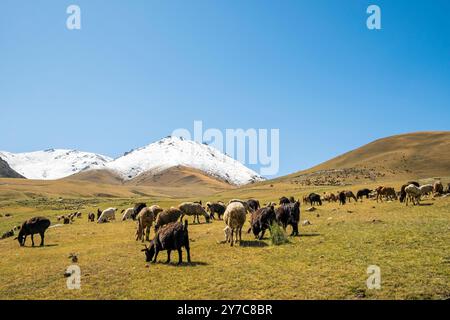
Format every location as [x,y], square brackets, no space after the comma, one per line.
[406,156]
[176,182]
[180,176]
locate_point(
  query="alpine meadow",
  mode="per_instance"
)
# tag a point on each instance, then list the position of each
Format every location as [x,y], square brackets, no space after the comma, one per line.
[247,153]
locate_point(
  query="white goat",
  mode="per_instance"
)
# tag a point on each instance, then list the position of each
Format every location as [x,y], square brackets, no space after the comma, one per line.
[127,214]
[108,214]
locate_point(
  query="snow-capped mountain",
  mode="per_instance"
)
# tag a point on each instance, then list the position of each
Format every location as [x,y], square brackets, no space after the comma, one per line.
[153,159]
[173,151]
[54,163]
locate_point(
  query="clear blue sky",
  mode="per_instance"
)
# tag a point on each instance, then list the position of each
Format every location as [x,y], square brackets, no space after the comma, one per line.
[139,69]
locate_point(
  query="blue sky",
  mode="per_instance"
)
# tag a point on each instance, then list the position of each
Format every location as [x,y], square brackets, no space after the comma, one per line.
[137,70]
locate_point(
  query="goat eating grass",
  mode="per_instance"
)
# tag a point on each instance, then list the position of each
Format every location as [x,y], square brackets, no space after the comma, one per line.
[172,236]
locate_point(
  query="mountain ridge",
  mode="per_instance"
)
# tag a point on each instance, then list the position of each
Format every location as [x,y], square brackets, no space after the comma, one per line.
[53,164]
[157,157]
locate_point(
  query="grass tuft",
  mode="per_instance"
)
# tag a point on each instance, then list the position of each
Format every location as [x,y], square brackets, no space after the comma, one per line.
[277,235]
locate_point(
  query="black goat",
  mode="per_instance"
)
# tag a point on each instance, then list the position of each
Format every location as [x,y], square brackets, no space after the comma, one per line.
[253,204]
[289,214]
[31,227]
[284,200]
[216,207]
[363,192]
[314,198]
[342,197]
[99,213]
[91,217]
[261,221]
[172,236]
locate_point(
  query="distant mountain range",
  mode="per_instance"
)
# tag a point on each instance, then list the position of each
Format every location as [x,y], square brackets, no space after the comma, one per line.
[53,164]
[174,162]
[146,164]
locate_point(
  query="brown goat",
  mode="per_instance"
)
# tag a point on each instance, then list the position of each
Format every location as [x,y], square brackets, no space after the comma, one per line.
[145,221]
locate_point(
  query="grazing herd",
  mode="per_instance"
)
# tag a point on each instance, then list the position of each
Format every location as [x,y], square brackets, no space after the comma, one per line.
[409,192]
[69,218]
[171,229]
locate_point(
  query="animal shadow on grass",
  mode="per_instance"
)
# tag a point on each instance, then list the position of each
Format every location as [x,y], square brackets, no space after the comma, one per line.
[252,243]
[308,235]
[425,204]
[183,264]
[29,246]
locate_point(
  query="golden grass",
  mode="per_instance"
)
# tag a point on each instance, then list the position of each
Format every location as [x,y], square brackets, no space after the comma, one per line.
[11,189]
[328,261]
[405,156]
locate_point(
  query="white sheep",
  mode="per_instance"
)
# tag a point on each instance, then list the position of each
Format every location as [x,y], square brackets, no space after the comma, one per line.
[108,214]
[127,214]
[244,203]
[234,218]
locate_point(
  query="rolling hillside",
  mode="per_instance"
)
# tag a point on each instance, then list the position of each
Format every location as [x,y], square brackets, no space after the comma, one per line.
[407,156]
[178,176]
[419,155]
[174,181]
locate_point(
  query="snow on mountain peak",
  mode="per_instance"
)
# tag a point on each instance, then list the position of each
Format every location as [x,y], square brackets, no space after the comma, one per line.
[53,163]
[174,151]
[161,155]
